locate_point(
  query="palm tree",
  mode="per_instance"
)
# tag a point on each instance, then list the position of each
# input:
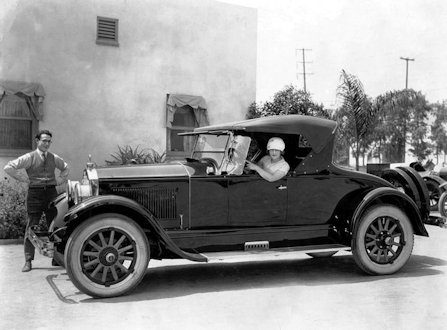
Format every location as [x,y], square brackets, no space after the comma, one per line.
[357,111]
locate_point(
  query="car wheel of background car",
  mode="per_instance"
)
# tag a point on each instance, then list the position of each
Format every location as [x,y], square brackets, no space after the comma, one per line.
[107,255]
[434,193]
[422,188]
[326,254]
[403,182]
[382,241]
[442,204]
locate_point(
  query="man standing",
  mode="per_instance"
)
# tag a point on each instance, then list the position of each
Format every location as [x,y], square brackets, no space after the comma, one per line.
[40,166]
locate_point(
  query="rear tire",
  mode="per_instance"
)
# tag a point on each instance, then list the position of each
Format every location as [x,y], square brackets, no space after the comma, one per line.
[383,240]
[107,255]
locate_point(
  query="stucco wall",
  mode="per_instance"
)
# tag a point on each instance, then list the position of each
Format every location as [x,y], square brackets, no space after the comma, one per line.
[99,97]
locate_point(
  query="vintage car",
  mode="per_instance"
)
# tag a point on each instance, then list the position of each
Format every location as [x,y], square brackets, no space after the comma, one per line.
[210,208]
[436,184]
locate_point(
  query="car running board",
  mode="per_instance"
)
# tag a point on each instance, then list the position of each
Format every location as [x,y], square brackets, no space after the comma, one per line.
[262,252]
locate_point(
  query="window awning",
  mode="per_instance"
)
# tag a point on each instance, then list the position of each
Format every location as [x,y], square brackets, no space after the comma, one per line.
[34,91]
[198,104]
[180,100]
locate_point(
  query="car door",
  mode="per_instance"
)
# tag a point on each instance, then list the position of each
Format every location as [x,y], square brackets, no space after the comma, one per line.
[208,202]
[255,202]
[313,198]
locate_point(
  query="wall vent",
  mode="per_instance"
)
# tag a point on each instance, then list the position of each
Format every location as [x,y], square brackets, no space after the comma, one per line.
[107,31]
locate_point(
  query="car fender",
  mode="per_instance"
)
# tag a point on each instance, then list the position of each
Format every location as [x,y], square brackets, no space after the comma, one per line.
[60,204]
[387,195]
[110,203]
[442,183]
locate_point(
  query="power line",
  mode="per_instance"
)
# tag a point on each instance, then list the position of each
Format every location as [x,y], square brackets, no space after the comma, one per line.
[303,50]
[406,74]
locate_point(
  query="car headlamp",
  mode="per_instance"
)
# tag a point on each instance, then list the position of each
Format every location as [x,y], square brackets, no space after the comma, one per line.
[77,191]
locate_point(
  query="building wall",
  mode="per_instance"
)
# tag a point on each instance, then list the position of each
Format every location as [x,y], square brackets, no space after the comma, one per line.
[100,97]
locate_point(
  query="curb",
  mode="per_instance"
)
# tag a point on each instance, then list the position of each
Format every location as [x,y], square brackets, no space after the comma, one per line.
[11,241]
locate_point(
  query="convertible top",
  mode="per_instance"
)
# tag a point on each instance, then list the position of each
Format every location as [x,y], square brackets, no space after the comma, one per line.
[318,131]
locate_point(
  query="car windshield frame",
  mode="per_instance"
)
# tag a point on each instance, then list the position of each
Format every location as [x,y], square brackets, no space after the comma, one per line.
[211,146]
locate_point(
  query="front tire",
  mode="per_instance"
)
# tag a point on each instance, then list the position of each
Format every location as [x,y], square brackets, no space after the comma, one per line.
[383,240]
[107,255]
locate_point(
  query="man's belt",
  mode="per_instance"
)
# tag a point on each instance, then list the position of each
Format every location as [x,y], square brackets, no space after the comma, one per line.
[45,187]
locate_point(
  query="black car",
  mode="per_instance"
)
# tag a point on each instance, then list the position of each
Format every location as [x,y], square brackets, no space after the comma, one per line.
[209,207]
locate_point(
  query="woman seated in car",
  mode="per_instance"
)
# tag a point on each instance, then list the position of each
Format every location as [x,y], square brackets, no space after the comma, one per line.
[272,167]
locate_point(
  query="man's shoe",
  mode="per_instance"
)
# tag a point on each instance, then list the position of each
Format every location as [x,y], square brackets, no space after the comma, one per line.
[27,267]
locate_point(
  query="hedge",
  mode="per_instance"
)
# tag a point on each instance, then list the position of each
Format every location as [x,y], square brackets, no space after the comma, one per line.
[13,214]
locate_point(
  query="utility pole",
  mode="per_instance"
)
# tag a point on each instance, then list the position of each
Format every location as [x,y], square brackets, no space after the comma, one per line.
[406,75]
[304,65]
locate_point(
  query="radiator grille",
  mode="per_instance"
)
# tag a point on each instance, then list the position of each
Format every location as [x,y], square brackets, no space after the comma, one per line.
[160,201]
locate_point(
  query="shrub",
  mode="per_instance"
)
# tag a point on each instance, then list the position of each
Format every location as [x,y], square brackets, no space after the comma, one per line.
[13,215]
[127,155]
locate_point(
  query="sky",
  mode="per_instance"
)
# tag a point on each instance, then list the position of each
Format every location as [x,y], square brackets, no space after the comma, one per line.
[365,38]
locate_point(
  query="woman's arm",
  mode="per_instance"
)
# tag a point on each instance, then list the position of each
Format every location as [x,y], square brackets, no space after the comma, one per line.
[270,177]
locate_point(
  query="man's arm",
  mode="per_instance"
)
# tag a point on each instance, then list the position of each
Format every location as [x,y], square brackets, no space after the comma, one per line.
[62,166]
[14,166]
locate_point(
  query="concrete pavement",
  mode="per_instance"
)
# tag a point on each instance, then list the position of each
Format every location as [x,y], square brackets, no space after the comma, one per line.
[298,293]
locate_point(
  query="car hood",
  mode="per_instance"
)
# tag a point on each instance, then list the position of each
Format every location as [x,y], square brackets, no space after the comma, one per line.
[174,169]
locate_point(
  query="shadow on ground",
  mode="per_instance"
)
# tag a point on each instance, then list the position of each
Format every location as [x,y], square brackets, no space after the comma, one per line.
[184,280]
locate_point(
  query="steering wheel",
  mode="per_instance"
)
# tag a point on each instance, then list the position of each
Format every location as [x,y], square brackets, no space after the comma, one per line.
[252,158]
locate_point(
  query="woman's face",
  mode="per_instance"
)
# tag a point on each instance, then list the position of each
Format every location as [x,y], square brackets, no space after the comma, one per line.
[275,154]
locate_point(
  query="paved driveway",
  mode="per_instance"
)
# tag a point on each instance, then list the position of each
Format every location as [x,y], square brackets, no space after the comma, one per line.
[300,293]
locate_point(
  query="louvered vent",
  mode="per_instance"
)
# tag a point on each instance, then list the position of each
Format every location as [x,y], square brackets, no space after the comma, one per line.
[107,31]
[160,201]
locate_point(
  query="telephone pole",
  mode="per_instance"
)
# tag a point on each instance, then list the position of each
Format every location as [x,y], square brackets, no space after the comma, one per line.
[303,50]
[406,75]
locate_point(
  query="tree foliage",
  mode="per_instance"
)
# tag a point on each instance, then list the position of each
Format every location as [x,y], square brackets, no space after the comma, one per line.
[382,128]
[286,102]
[438,130]
[402,120]
[355,115]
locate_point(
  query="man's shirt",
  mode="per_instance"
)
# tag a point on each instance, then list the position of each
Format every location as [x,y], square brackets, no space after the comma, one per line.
[32,163]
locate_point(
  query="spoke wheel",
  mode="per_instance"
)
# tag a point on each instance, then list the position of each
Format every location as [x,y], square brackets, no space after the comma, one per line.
[383,240]
[107,255]
[434,193]
[442,205]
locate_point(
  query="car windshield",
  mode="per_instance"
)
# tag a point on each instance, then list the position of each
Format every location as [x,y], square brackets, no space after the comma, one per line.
[211,146]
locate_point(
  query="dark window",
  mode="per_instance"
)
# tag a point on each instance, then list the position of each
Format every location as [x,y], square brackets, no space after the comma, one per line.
[107,31]
[17,125]
[184,121]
